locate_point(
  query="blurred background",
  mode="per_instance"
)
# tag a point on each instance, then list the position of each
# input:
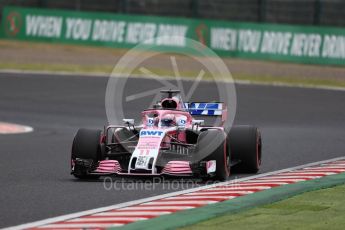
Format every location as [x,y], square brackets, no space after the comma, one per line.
[304,12]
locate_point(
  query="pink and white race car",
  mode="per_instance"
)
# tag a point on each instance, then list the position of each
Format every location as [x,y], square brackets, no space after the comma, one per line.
[169,142]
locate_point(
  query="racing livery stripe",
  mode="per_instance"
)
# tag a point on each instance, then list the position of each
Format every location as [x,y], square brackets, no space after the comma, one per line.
[196,198]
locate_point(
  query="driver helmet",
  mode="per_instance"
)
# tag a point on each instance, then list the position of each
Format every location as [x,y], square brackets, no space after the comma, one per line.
[168,120]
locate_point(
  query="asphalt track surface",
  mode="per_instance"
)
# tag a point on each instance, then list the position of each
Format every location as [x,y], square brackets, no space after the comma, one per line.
[298,126]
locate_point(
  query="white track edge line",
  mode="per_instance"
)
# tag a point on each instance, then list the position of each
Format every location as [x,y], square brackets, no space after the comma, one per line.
[144,200]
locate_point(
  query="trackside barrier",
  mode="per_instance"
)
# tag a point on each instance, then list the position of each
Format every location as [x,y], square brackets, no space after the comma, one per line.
[301,44]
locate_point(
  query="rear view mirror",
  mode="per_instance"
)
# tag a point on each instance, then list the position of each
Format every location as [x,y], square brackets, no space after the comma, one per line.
[128,121]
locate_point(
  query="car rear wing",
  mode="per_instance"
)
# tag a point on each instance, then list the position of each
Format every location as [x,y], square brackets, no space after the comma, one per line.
[207,109]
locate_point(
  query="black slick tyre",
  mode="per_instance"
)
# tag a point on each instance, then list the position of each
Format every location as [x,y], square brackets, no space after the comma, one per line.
[86,145]
[246,146]
[214,140]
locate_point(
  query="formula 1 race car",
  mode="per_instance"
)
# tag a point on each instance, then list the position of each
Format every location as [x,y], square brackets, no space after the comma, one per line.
[169,141]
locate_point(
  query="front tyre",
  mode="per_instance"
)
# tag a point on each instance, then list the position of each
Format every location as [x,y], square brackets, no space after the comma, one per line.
[86,146]
[218,153]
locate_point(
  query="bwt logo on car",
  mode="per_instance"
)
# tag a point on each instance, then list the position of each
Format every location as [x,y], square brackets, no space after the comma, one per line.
[151,133]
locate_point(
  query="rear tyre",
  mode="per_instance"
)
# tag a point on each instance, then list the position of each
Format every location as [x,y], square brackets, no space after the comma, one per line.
[246,145]
[86,145]
[219,152]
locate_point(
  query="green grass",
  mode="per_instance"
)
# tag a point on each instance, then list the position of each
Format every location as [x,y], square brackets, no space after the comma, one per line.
[107,69]
[321,209]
